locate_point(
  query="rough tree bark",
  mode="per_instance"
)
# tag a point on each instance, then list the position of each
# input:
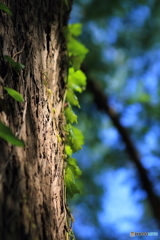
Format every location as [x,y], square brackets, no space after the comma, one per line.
[31,178]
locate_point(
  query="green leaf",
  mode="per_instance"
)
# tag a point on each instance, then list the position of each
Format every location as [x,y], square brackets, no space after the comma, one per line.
[16,66]
[70,115]
[7,135]
[75,138]
[75,29]
[71,98]
[75,48]
[76,80]
[13,93]
[75,62]
[70,182]
[5,8]
[72,163]
[68,150]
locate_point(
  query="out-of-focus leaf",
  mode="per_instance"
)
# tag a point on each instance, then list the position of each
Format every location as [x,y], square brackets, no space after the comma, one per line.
[7,135]
[16,66]
[75,29]
[13,93]
[5,8]
[68,150]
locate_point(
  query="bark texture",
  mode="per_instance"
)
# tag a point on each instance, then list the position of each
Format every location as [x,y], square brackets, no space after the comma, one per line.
[31,178]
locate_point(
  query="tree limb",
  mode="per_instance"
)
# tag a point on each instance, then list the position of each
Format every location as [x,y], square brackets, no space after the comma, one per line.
[103,105]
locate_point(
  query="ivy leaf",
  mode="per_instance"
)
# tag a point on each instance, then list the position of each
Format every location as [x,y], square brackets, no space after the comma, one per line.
[75,29]
[71,98]
[72,163]
[5,8]
[70,182]
[76,80]
[14,94]
[68,150]
[7,135]
[16,66]
[70,115]
[75,138]
[75,48]
[75,62]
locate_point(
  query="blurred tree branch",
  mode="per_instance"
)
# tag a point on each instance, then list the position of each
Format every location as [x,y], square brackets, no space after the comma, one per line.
[102,103]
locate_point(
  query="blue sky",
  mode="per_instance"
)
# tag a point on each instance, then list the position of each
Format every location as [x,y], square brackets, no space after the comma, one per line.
[122,206]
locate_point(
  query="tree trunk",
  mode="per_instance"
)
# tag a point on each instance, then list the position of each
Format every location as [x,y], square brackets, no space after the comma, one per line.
[32,204]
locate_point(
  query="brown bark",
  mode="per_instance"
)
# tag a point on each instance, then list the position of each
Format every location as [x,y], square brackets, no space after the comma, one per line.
[31,178]
[102,103]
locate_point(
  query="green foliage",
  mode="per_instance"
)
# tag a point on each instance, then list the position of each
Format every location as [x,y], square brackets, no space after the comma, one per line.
[72,173]
[70,182]
[5,9]
[71,98]
[16,66]
[76,82]
[70,115]
[5,132]
[76,50]
[75,137]
[68,150]
[14,94]
[75,29]
[7,135]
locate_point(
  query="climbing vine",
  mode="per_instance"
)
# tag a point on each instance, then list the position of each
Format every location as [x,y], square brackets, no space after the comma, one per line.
[76,82]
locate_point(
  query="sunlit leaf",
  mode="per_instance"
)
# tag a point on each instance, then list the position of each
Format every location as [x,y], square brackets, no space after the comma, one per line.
[71,98]
[7,135]
[76,80]
[75,48]
[13,93]
[68,150]
[75,29]
[75,138]
[70,115]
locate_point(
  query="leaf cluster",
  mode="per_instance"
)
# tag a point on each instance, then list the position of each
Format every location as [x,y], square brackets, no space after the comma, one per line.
[76,82]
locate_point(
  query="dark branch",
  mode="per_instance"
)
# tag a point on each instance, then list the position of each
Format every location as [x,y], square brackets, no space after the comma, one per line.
[102,104]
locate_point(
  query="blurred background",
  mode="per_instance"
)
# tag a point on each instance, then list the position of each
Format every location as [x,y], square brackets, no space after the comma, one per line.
[120,119]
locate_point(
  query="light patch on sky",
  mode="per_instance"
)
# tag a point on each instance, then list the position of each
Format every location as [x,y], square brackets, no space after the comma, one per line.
[109,136]
[139,15]
[119,208]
